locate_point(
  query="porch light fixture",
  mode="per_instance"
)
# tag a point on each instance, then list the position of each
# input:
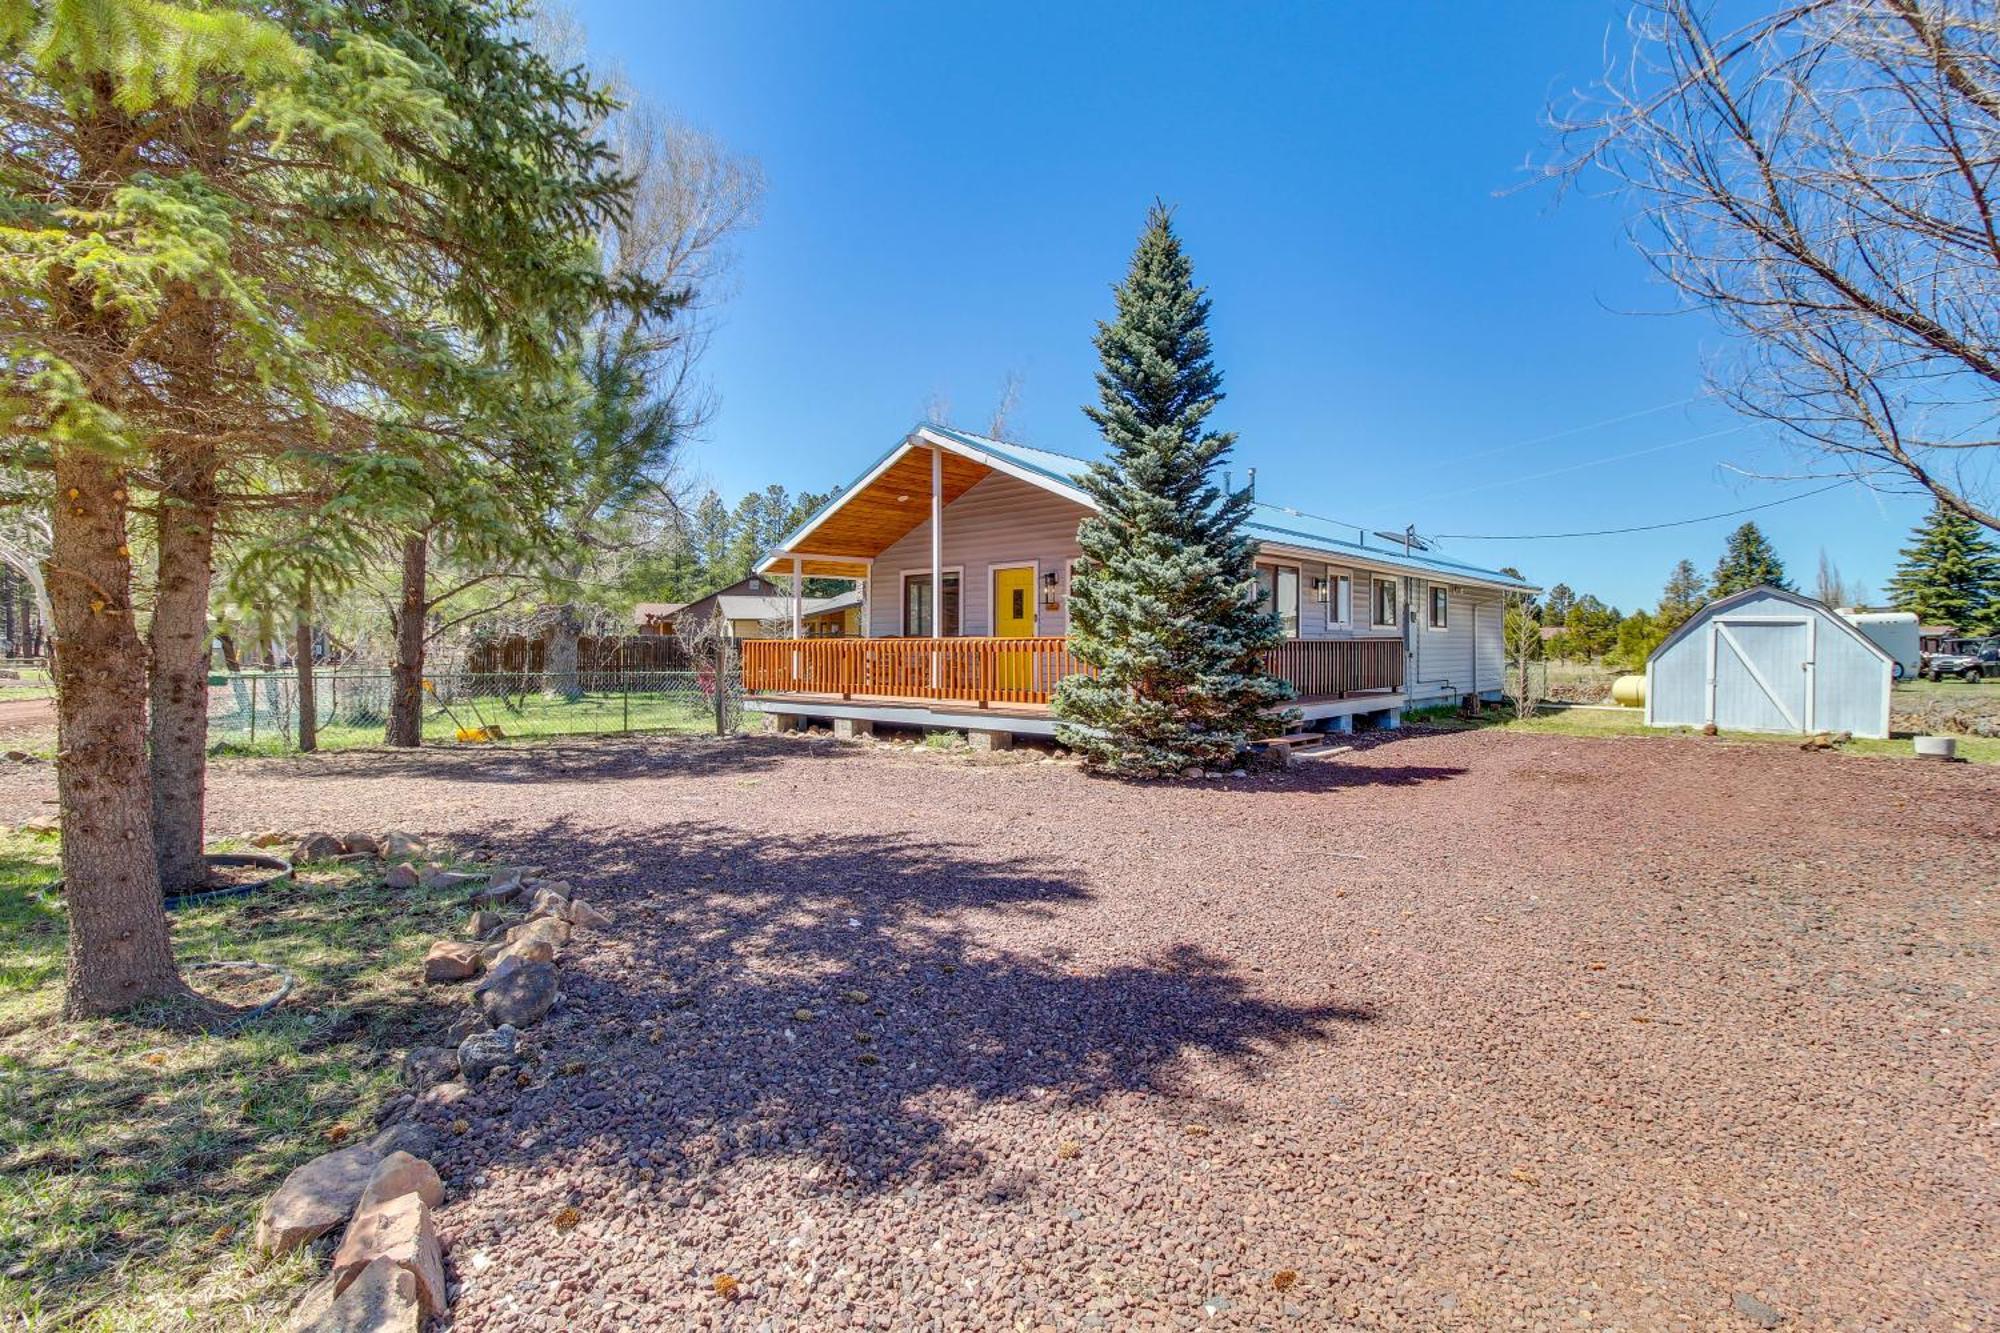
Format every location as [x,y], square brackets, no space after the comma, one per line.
[1049,580]
[902,499]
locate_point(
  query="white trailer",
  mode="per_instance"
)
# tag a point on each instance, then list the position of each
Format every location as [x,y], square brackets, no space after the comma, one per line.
[1894,632]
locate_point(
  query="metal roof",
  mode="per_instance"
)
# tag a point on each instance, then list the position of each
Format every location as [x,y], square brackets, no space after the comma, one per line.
[1276,524]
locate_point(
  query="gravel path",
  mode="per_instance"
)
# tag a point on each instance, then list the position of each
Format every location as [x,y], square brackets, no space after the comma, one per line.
[1457,1031]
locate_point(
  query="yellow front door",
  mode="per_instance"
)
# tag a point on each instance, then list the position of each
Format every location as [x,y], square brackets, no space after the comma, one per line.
[1014,618]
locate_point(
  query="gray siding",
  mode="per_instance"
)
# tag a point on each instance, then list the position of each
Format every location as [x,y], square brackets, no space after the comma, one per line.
[1797,649]
[1000,521]
[1466,656]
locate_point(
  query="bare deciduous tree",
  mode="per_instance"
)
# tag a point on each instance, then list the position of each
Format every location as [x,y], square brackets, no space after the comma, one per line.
[1825,180]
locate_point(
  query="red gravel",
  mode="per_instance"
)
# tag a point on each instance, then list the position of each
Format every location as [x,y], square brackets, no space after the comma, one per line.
[1469,1031]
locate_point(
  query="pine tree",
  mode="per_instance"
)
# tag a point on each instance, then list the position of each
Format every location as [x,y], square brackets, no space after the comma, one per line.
[1682,597]
[243,235]
[1949,574]
[1747,562]
[1162,603]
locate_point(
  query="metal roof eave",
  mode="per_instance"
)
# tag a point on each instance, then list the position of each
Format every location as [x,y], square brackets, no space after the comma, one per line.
[998,456]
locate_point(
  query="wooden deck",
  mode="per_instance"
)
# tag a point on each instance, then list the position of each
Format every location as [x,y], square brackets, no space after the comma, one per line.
[1018,676]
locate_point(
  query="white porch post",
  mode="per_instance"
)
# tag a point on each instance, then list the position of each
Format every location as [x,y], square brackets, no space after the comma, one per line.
[798,598]
[937,554]
[798,613]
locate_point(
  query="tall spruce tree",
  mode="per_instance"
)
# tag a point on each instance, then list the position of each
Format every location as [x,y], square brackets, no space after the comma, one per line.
[1162,601]
[1747,562]
[1949,574]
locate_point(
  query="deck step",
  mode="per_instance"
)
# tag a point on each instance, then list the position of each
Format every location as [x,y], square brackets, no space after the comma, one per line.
[1292,740]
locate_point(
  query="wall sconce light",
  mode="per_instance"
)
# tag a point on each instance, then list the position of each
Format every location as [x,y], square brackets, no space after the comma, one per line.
[1320,588]
[1051,597]
[1049,580]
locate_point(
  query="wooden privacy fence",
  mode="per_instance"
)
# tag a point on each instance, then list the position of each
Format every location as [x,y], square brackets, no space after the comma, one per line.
[610,653]
[1022,671]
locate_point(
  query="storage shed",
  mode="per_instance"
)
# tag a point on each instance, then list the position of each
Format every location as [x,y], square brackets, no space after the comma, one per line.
[1769,660]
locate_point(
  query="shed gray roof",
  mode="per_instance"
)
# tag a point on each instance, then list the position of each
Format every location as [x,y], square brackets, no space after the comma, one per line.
[1800,600]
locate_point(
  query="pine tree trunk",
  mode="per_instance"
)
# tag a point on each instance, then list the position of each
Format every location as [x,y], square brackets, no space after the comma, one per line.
[406,699]
[302,655]
[178,643]
[119,951]
[559,661]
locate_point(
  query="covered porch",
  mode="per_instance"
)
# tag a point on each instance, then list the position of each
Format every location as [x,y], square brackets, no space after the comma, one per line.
[1008,683]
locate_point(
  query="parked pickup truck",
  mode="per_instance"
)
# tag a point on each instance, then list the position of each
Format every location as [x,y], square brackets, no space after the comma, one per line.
[1965,659]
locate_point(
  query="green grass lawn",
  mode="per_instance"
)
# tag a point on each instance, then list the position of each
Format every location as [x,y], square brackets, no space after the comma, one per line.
[134,1154]
[1631,722]
[532,717]
[1953,691]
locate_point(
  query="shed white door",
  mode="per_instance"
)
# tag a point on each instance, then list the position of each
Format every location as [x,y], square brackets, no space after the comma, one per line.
[1760,673]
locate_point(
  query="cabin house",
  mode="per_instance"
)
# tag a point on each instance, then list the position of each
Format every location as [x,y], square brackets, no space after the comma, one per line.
[963,547]
[755,608]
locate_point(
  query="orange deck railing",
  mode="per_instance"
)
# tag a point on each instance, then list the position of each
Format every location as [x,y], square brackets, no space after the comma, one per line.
[1022,671]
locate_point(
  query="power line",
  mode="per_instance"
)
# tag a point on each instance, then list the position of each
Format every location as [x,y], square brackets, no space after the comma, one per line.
[1574,430]
[1593,462]
[1643,527]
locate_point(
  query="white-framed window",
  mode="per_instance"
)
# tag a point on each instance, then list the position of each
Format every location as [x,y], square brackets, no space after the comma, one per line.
[918,605]
[1385,604]
[1278,590]
[1440,607]
[1340,601]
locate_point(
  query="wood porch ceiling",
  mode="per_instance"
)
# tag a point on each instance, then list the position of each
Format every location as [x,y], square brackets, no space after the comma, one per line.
[873,519]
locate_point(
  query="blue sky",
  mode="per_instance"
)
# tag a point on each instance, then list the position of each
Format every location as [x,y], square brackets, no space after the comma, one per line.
[1406,337]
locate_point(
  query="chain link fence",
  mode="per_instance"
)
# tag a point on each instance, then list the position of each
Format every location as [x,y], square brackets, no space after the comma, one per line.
[254,710]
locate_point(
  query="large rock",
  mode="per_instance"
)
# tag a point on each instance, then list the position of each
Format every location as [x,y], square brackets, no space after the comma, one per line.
[468,1022]
[534,949]
[407,1136]
[401,1173]
[452,960]
[494,895]
[381,1298]
[483,1052]
[481,924]
[582,913]
[552,929]
[315,1198]
[547,902]
[425,1065]
[402,846]
[437,878]
[402,875]
[318,847]
[518,995]
[399,1230]
[360,844]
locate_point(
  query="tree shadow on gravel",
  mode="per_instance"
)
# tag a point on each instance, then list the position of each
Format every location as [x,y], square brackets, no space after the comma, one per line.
[830,999]
[607,758]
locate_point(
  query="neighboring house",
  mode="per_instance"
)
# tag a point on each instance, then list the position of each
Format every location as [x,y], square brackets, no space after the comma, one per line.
[964,547]
[760,608]
[655,617]
[1769,660]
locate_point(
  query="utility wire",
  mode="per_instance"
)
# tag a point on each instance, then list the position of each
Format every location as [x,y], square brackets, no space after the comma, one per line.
[1573,430]
[1593,462]
[1643,527]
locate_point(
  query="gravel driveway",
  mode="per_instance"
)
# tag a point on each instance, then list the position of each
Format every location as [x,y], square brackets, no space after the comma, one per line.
[1457,1031]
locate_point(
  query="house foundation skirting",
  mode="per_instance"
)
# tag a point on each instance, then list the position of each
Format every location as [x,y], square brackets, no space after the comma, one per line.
[855,717]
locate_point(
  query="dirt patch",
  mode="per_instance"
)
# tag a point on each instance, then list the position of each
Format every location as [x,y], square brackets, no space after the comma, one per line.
[1657,1034]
